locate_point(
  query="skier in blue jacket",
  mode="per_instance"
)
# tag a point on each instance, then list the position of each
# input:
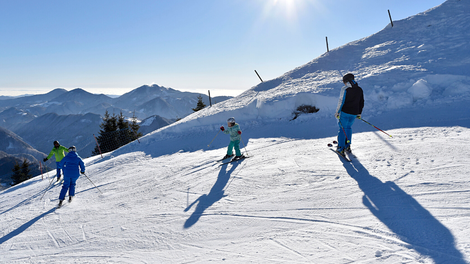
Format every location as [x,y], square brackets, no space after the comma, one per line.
[350,104]
[72,165]
[235,136]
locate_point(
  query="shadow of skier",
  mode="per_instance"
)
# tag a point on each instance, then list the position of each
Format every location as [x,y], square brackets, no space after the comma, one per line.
[25,226]
[404,216]
[216,193]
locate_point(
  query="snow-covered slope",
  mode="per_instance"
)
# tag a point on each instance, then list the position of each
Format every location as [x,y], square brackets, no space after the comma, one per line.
[409,79]
[293,201]
[166,200]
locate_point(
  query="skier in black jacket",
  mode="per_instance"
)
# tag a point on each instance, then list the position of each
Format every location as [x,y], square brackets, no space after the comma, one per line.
[350,104]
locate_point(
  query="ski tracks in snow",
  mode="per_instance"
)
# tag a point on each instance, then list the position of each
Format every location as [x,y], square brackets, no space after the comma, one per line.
[293,195]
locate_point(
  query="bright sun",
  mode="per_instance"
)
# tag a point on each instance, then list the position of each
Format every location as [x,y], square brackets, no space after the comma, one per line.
[287,8]
[288,13]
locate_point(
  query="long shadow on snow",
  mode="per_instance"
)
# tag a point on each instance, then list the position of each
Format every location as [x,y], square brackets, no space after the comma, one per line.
[216,193]
[29,200]
[404,216]
[23,227]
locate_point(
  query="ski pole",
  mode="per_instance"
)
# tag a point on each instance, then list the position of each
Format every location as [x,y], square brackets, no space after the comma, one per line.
[344,131]
[244,145]
[214,138]
[45,191]
[92,183]
[376,128]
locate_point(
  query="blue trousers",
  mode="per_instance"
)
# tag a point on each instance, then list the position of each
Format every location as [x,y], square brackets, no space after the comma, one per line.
[69,185]
[58,170]
[234,144]
[345,132]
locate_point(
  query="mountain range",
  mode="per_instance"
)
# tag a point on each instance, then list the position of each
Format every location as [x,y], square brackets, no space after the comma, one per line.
[29,124]
[144,102]
[14,150]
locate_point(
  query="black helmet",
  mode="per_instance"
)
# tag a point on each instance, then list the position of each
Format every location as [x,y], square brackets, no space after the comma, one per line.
[56,143]
[349,78]
[72,148]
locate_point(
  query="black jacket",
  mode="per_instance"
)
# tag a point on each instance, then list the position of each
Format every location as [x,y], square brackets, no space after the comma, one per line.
[352,100]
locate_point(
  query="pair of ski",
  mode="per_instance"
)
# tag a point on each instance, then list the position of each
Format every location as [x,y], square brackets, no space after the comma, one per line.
[64,203]
[342,155]
[235,159]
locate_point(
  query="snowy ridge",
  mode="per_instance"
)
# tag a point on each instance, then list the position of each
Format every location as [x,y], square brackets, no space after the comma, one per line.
[166,199]
[421,62]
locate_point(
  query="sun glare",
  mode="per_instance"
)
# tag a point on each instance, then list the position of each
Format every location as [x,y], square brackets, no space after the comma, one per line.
[286,16]
[287,7]
[289,10]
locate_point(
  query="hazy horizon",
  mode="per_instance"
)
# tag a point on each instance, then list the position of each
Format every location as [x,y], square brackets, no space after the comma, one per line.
[114,47]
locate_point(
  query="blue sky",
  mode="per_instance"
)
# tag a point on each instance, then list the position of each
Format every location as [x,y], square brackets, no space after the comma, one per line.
[115,46]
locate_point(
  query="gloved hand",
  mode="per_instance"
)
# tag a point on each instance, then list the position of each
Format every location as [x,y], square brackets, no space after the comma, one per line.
[45,159]
[222,128]
[82,172]
[337,115]
[239,132]
[358,116]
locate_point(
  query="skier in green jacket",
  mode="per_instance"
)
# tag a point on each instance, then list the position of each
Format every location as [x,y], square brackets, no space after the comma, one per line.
[59,152]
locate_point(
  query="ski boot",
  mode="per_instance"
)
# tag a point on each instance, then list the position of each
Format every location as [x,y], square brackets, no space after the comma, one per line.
[227,156]
[340,150]
[238,157]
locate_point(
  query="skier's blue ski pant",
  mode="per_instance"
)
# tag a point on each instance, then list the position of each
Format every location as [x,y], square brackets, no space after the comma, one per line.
[69,185]
[234,144]
[58,170]
[345,122]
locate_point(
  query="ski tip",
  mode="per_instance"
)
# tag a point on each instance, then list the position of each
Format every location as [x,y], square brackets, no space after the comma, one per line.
[330,145]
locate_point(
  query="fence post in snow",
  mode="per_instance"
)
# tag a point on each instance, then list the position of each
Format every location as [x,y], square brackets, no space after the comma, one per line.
[98,146]
[390,16]
[210,101]
[258,76]
[327,48]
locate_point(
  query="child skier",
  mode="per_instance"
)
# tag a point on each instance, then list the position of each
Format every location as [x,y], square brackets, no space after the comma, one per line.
[235,136]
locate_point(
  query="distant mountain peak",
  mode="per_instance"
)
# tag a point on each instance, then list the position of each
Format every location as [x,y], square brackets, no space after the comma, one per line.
[151,88]
[79,91]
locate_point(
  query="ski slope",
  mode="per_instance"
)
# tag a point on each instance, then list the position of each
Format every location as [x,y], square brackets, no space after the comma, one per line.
[165,199]
[292,201]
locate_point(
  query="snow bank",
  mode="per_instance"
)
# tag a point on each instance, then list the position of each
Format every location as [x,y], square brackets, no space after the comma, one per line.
[420,90]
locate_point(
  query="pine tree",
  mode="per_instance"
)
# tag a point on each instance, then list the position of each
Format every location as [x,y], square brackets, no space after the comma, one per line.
[200,104]
[107,140]
[16,176]
[124,134]
[21,173]
[116,132]
[25,170]
[134,126]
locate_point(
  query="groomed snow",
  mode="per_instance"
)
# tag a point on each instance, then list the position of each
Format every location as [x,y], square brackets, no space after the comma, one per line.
[292,201]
